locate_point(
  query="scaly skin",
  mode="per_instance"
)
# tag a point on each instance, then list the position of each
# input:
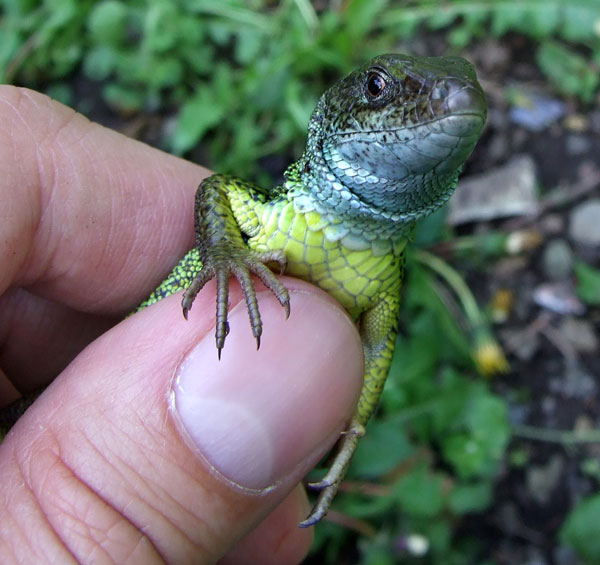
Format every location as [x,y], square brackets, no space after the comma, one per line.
[385,146]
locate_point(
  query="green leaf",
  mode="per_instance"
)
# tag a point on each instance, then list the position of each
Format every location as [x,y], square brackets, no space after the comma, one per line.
[467,455]
[569,72]
[536,21]
[543,21]
[198,114]
[477,450]
[99,62]
[455,394]
[441,19]
[361,16]
[580,529]
[420,493]
[9,44]
[581,20]
[460,37]
[61,91]
[588,283]
[439,534]
[248,45]
[416,358]
[161,28]
[487,418]
[165,72]
[123,98]
[377,554]
[298,104]
[107,22]
[381,450]
[474,497]
[366,507]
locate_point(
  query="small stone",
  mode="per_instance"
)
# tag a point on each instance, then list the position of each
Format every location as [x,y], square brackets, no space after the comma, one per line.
[507,268]
[535,556]
[548,405]
[579,333]
[543,479]
[510,190]
[557,260]
[523,241]
[584,222]
[524,348]
[584,424]
[576,122]
[508,517]
[564,555]
[494,56]
[595,121]
[499,146]
[575,382]
[577,144]
[552,224]
[536,112]
[558,297]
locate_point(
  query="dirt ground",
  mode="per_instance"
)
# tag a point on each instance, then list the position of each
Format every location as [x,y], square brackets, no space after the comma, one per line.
[551,338]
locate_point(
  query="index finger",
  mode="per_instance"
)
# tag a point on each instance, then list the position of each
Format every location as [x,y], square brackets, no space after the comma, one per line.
[88,217]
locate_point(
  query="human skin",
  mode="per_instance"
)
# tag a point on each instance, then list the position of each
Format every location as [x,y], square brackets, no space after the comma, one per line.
[146,448]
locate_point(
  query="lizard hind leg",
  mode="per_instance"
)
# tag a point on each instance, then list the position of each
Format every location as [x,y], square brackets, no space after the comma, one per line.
[330,483]
[378,332]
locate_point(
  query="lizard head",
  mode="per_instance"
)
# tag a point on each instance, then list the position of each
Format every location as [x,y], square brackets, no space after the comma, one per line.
[396,132]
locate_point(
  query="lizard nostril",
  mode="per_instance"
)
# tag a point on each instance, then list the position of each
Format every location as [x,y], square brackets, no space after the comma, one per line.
[439,91]
[468,100]
[461,96]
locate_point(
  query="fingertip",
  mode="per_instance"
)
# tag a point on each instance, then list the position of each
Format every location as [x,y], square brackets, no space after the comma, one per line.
[262,417]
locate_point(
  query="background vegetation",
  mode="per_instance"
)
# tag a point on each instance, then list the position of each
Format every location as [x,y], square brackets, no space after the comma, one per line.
[233,84]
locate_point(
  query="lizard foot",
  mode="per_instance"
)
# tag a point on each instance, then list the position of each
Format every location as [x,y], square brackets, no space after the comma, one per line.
[330,483]
[241,263]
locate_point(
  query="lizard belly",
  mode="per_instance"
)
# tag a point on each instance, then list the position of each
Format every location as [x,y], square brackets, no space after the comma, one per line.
[354,278]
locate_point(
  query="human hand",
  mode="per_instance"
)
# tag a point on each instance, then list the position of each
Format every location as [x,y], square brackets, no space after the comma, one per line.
[145,448]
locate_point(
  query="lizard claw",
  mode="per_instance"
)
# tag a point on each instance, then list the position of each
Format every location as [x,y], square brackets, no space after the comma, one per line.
[330,483]
[241,263]
[195,287]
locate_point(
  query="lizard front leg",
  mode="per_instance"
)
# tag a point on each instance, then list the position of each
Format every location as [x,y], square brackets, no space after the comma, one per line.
[378,328]
[224,252]
[223,204]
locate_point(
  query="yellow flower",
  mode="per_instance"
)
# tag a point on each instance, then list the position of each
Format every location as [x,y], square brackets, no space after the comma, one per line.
[488,356]
[501,305]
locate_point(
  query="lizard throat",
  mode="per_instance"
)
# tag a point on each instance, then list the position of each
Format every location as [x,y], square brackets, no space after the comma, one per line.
[347,217]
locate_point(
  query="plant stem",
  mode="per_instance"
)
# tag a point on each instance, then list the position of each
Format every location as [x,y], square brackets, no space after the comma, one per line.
[456,282]
[564,437]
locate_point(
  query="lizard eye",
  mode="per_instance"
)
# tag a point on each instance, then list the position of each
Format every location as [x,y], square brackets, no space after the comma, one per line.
[376,84]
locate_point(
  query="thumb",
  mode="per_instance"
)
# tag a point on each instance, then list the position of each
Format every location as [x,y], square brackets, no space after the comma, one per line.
[147,448]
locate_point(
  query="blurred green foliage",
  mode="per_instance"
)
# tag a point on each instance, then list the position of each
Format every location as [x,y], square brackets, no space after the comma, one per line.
[580,530]
[588,283]
[242,77]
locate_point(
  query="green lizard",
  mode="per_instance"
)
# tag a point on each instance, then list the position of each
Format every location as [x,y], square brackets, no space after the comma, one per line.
[385,147]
